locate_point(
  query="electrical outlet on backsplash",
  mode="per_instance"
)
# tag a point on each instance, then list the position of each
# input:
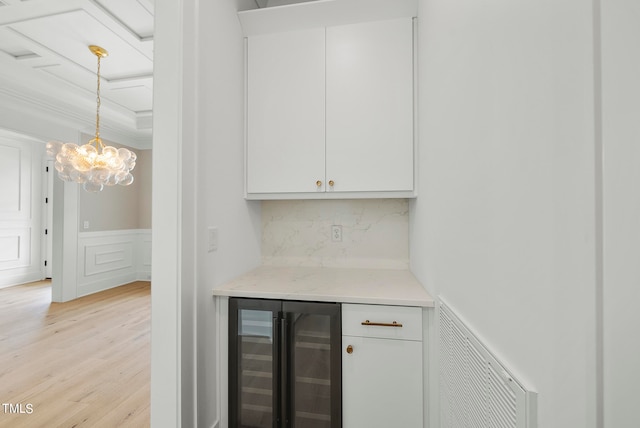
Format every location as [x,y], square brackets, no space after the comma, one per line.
[374,233]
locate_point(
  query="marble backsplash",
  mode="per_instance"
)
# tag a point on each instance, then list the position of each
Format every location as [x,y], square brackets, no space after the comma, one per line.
[375,233]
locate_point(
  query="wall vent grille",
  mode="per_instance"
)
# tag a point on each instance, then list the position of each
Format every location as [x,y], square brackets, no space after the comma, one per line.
[477,391]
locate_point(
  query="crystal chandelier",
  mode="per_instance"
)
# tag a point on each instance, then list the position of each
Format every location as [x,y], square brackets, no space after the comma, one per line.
[93,165]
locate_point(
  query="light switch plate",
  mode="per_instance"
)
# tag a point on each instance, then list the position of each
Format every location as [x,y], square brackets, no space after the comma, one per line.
[213,239]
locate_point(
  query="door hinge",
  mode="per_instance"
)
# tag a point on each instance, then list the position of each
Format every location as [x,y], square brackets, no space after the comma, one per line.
[46,231]
[47,168]
[46,200]
[45,262]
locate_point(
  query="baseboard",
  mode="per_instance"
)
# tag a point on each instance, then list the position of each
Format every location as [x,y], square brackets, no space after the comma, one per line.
[20,278]
[105,284]
[143,276]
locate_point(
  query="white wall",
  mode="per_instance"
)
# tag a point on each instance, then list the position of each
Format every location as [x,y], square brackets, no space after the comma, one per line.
[119,207]
[503,226]
[220,183]
[198,146]
[166,288]
[621,142]
[21,231]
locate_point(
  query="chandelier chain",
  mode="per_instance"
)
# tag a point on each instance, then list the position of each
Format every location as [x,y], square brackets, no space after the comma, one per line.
[98,142]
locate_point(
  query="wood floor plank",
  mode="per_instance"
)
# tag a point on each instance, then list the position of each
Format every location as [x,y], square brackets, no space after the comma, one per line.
[84,363]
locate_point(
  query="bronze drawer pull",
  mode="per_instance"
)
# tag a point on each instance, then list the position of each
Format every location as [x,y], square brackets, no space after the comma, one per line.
[382,324]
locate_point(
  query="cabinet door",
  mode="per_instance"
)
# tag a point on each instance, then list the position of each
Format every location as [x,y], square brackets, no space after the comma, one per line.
[370,106]
[381,383]
[253,363]
[313,365]
[285,114]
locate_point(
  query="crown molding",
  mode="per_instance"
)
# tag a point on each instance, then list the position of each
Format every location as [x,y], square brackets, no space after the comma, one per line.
[40,111]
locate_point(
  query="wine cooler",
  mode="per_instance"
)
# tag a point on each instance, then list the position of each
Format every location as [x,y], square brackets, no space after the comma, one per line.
[284,364]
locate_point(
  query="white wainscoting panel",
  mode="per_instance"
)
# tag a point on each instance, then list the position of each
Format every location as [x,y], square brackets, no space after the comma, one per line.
[20,213]
[9,248]
[14,248]
[10,191]
[107,257]
[144,255]
[112,258]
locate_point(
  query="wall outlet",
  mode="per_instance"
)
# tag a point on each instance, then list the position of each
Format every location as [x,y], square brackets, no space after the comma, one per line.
[336,233]
[86,224]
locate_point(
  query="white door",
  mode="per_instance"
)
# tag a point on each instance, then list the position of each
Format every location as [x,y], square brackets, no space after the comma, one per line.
[381,383]
[285,113]
[370,106]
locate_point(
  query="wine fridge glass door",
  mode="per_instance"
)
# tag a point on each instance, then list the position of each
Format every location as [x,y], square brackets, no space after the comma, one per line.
[254,387]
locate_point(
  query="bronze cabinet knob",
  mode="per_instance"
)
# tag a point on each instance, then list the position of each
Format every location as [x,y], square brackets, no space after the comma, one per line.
[331,183]
[349,349]
[318,183]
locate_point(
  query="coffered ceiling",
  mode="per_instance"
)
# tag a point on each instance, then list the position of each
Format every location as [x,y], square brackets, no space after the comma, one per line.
[45,63]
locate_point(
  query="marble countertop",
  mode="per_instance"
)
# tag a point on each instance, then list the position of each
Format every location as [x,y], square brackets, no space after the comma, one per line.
[322,284]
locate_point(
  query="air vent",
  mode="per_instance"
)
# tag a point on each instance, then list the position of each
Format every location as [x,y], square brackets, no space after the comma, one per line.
[275,3]
[477,391]
[23,54]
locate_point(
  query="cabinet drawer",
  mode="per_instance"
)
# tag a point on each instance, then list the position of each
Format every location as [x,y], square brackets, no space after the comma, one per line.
[386,322]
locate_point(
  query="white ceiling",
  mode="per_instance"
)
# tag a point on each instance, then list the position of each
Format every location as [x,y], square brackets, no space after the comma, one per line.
[45,62]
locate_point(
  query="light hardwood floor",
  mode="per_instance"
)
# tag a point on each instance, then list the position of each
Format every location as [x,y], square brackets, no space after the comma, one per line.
[84,363]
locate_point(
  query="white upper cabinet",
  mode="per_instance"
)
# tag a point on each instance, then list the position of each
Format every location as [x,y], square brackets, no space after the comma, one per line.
[285,112]
[330,112]
[369,126]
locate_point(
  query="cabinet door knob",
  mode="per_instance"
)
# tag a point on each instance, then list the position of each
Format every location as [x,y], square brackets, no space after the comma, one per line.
[349,349]
[331,183]
[318,183]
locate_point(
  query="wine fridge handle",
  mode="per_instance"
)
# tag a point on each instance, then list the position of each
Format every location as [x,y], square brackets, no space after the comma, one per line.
[284,375]
[275,368]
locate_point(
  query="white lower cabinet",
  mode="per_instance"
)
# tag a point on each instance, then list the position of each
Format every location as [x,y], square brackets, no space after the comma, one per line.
[382,360]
